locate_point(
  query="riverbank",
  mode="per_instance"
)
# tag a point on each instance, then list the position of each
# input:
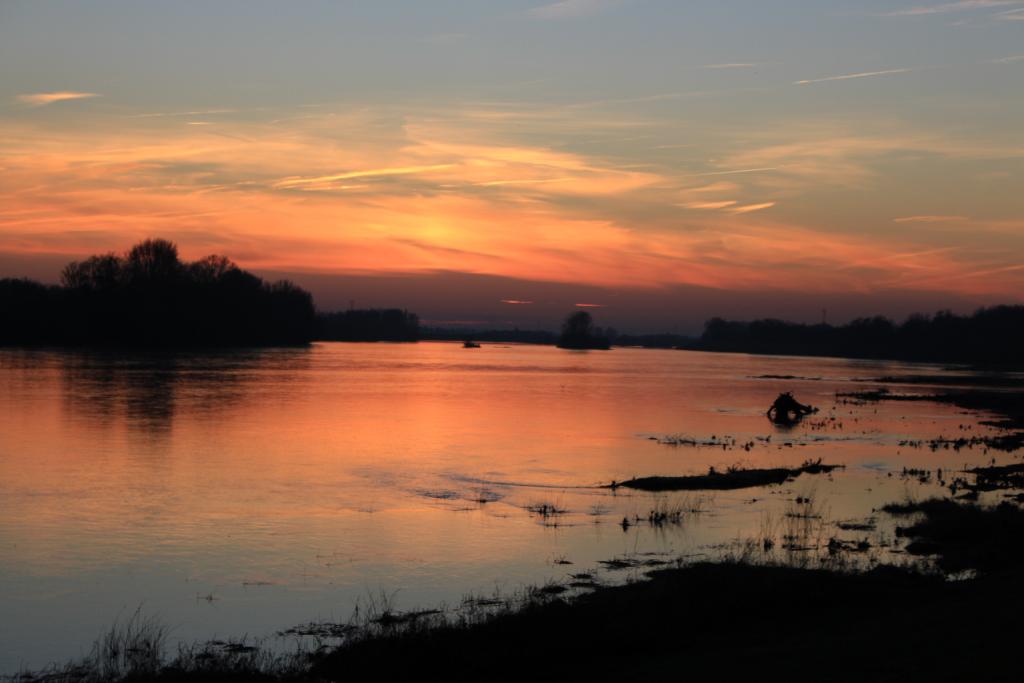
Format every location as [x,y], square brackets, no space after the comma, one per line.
[726,619]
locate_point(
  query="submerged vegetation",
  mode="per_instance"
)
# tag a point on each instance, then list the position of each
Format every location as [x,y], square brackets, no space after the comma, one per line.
[149,297]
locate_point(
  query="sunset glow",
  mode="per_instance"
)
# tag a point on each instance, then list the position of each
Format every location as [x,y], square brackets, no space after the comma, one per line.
[733,166]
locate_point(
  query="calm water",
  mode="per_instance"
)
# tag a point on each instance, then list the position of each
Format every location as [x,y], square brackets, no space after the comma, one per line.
[244,493]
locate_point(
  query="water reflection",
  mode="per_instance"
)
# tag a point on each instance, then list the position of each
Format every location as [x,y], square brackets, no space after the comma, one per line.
[146,391]
[289,482]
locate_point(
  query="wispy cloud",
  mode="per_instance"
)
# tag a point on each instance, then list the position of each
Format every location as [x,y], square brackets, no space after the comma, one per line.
[41,99]
[538,181]
[371,173]
[572,8]
[929,219]
[737,171]
[199,112]
[848,77]
[711,206]
[750,208]
[1011,15]
[516,302]
[589,305]
[946,8]
[1008,60]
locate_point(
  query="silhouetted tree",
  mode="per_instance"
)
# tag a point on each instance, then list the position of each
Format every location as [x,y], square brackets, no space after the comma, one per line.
[149,297]
[990,336]
[96,272]
[153,261]
[578,332]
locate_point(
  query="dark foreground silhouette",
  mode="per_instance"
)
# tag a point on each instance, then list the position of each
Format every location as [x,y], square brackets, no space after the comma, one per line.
[705,621]
[148,297]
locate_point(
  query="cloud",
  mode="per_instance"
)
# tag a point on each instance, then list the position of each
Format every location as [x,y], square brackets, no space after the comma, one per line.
[572,8]
[434,195]
[750,208]
[516,302]
[961,6]
[929,219]
[737,171]
[1009,60]
[41,99]
[524,181]
[1011,15]
[371,173]
[847,77]
[589,305]
[711,205]
[199,112]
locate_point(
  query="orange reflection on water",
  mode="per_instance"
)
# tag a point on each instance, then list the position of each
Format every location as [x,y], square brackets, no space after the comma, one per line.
[288,482]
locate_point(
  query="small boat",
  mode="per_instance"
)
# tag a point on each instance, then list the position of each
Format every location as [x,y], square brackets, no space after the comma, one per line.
[470,344]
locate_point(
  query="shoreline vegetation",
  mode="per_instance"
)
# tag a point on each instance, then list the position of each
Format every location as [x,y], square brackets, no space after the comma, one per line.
[147,298]
[783,605]
[990,337]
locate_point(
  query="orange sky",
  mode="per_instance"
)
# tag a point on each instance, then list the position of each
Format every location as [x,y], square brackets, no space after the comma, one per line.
[768,176]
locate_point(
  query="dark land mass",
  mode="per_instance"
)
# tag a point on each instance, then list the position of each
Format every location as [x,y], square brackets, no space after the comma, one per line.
[392,325]
[723,622]
[545,337]
[149,298]
[728,480]
[990,336]
[514,336]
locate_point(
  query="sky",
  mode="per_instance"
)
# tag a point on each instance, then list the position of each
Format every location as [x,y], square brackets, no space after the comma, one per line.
[503,162]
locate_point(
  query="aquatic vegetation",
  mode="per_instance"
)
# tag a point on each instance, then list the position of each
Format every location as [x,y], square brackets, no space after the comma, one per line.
[964,535]
[850,525]
[545,509]
[714,441]
[632,562]
[668,512]
[732,478]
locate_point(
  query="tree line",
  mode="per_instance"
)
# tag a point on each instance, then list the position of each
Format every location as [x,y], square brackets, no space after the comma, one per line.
[149,297]
[993,335]
[389,324]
